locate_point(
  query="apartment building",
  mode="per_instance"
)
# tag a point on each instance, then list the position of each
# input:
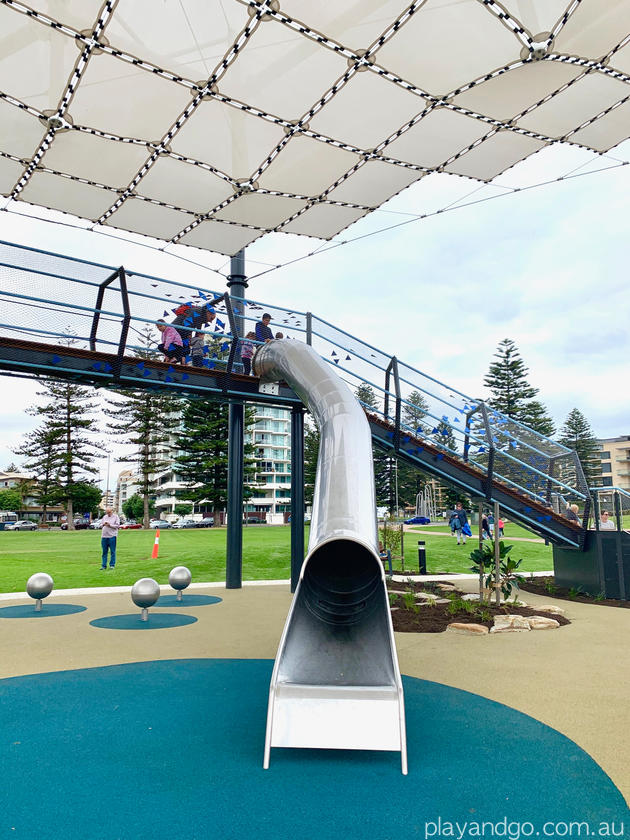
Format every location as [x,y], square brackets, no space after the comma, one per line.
[615,457]
[127,484]
[270,435]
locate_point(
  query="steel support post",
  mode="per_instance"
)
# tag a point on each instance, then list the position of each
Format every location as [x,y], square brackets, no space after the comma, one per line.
[237,283]
[497,556]
[234,555]
[297,494]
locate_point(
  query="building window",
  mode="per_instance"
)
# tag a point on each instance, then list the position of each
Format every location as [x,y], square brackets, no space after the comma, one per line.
[607,481]
[606,468]
[605,456]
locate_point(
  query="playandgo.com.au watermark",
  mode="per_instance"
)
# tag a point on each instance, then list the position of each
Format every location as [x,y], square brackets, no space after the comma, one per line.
[515,830]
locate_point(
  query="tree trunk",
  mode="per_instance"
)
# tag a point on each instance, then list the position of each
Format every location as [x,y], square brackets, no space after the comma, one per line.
[145,515]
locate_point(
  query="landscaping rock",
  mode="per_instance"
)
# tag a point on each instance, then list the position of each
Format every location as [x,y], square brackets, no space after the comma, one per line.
[431,600]
[467,629]
[450,587]
[551,608]
[539,622]
[510,624]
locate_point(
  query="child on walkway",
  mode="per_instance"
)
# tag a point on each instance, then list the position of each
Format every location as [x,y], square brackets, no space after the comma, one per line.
[247,352]
[172,345]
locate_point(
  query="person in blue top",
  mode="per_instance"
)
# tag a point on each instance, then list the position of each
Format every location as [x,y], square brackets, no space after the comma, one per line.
[263,332]
[457,522]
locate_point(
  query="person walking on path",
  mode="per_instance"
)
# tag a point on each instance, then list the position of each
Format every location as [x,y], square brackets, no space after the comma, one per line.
[263,331]
[458,521]
[110,524]
[485,527]
[501,525]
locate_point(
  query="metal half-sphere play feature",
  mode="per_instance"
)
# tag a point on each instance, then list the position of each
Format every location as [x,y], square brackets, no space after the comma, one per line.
[39,586]
[179,578]
[144,593]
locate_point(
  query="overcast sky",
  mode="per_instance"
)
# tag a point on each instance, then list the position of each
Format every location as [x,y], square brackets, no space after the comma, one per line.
[546,267]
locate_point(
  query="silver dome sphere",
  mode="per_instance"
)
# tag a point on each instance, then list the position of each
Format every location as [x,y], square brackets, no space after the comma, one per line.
[39,585]
[179,577]
[145,592]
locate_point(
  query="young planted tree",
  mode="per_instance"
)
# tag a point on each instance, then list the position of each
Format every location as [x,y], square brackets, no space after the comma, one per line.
[577,434]
[146,419]
[202,454]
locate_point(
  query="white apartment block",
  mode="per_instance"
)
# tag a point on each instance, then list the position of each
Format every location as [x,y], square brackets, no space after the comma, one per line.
[271,437]
[126,485]
[615,458]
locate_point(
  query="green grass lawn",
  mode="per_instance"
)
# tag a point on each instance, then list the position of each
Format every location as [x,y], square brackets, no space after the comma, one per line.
[73,559]
[444,555]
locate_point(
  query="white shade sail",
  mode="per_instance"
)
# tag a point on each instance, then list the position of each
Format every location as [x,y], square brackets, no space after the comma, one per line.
[212,122]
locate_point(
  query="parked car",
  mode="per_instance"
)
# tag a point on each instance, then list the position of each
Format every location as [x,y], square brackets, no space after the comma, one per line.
[79,525]
[418,520]
[21,525]
[131,525]
[96,524]
[159,523]
[184,523]
[206,522]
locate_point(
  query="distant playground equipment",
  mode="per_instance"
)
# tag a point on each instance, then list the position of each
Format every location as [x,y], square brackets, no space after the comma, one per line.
[425,503]
[179,578]
[144,594]
[336,682]
[39,586]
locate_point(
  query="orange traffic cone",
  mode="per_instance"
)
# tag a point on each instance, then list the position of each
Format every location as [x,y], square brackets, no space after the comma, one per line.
[156,545]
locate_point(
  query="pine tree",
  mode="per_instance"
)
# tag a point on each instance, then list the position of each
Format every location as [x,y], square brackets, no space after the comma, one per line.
[413,416]
[383,461]
[311,453]
[534,415]
[443,436]
[577,434]
[202,460]
[68,420]
[507,380]
[147,419]
[41,451]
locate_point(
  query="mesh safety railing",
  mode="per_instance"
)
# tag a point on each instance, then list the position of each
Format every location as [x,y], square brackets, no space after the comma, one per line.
[64,301]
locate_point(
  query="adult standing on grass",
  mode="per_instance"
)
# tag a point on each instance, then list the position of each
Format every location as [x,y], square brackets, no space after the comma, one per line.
[110,524]
[458,522]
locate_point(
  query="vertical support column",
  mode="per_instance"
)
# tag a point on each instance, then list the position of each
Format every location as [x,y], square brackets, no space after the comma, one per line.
[237,283]
[497,556]
[309,328]
[234,555]
[297,494]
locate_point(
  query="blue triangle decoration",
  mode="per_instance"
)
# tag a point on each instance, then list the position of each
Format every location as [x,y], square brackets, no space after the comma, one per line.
[55,359]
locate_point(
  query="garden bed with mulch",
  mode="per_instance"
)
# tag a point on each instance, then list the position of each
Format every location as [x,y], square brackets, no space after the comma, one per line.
[546,586]
[411,616]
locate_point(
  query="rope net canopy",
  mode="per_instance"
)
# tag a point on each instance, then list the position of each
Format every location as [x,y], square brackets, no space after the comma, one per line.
[209,123]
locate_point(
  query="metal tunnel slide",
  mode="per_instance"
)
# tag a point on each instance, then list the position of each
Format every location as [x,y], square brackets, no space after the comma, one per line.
[336,682]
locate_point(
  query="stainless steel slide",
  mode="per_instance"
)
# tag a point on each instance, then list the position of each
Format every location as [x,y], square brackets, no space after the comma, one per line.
[336,682]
